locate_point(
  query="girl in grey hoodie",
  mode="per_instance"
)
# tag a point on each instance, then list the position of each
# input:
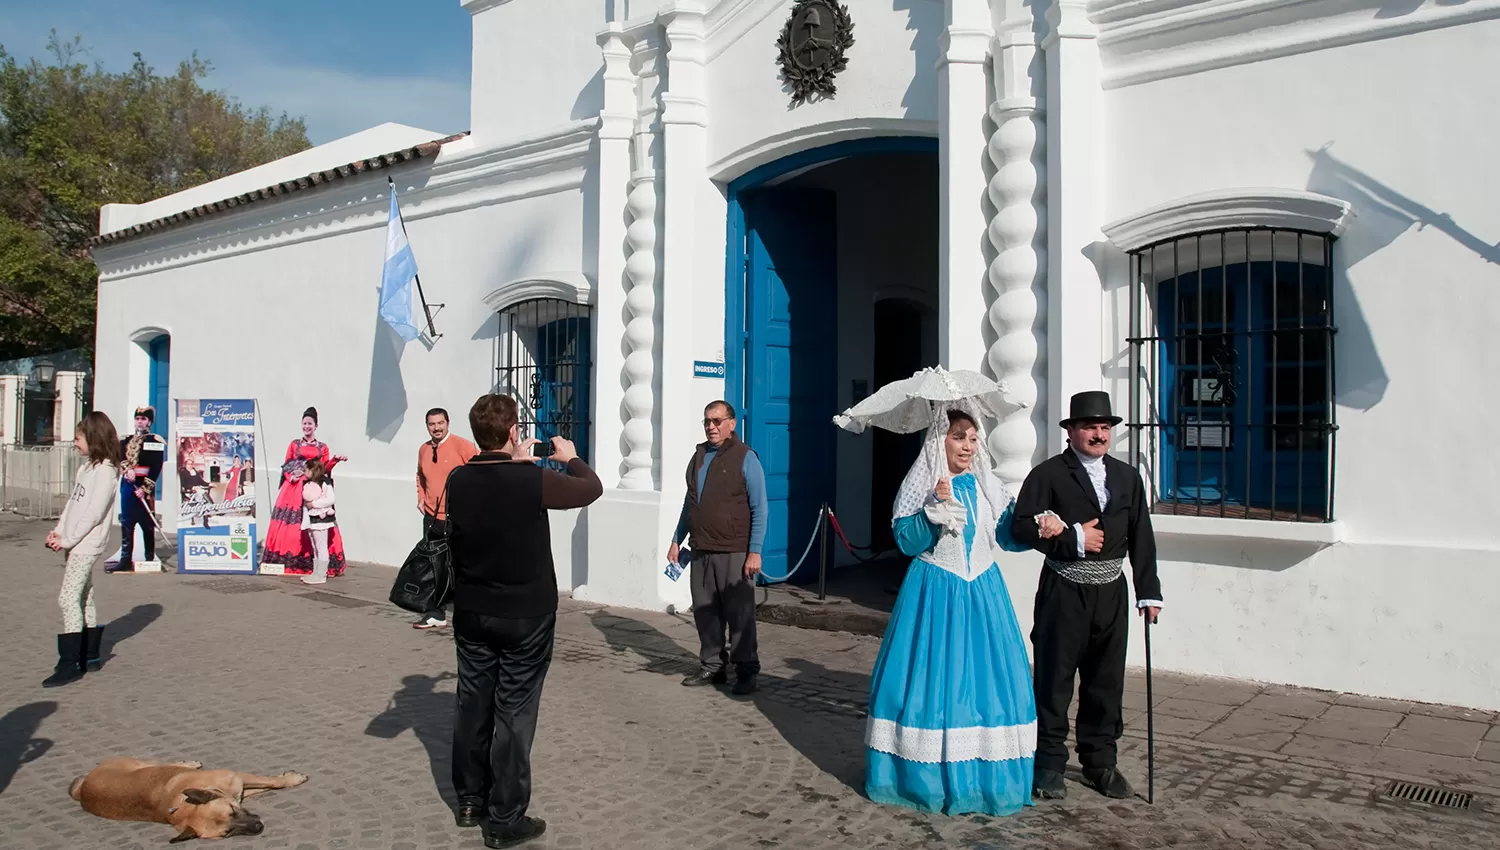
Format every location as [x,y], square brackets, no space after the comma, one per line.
[80,532]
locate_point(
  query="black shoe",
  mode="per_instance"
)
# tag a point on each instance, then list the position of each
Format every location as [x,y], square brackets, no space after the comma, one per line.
[1048,784]
[525,830]
[706,677]
[69,668]
[744,685]
[93,637]
[1109,782]
[467,815]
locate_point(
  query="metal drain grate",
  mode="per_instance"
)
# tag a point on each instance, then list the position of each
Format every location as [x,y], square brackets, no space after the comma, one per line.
[1429,794]
[335,599]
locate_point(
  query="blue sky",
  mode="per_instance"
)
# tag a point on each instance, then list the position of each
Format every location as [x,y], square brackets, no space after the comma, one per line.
[341,65]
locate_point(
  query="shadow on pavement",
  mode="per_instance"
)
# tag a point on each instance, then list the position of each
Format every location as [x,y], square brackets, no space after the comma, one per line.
[820,712]
[18,744]
[127,626]
[428,713]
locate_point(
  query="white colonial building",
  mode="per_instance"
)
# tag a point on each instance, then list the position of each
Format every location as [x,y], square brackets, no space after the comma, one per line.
[1268,228]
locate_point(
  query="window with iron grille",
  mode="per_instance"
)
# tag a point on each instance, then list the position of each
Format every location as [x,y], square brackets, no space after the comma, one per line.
[1231,343]
[543,359]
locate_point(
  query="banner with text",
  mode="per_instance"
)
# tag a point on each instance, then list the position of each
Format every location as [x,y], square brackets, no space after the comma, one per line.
[216,475]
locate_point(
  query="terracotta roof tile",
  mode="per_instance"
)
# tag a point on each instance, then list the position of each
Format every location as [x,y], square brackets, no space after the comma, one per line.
[317,178]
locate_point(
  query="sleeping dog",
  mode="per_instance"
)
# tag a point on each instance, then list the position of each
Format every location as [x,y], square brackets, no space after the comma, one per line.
[198,803]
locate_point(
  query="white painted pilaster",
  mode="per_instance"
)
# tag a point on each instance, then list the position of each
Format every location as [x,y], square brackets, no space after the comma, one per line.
[1019,234]
[69,405]
[10,408]
[1075,185]
[963,94]
[616,124]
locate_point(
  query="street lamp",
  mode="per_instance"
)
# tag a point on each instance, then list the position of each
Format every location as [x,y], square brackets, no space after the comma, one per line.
[44,371]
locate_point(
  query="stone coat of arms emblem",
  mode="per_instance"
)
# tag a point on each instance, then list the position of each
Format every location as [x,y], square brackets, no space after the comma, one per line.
[812,47]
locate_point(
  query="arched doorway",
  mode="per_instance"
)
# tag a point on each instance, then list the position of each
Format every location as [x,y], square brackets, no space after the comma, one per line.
[159,381]
[812,238]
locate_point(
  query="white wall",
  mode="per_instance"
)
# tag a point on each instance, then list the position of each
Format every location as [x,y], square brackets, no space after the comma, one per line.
[1401,608]
[279,303]
[536,65]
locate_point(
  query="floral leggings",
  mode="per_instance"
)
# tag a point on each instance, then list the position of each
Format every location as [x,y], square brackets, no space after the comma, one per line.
[76,599]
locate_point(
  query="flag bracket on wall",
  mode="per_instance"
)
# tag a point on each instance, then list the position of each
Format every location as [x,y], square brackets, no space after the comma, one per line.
[399,277]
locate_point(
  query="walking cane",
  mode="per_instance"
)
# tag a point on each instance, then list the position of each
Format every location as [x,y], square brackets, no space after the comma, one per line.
[161,535]
[1150,724]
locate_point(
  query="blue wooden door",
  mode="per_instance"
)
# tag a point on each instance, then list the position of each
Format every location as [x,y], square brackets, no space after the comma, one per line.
[791,360]
[160,351]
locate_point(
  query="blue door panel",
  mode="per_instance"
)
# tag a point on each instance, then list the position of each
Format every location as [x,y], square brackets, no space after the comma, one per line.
[160,352]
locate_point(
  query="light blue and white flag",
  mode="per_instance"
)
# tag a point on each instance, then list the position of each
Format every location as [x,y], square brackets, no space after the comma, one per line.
[398,304]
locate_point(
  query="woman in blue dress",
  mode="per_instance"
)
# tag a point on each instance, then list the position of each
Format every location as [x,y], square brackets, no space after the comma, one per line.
[952,717]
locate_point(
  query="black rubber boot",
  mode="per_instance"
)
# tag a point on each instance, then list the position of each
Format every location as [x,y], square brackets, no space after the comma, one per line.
[93,660]
[69,668]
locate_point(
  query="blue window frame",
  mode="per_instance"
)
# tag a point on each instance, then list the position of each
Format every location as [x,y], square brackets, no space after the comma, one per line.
[1233,406]
[545,361]
[160,352]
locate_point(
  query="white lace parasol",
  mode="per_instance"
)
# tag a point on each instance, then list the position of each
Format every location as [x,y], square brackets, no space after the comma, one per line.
[907,406]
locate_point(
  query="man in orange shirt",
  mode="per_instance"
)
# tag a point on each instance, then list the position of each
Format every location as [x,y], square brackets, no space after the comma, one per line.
[436,458]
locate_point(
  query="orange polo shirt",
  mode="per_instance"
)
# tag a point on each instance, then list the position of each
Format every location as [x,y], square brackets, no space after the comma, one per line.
[454,451]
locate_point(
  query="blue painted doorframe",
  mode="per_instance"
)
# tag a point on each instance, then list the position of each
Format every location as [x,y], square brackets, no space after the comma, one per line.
[779,262]
[160,352]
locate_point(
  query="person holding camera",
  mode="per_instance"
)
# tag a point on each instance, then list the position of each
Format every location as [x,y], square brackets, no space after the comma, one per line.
[504,611]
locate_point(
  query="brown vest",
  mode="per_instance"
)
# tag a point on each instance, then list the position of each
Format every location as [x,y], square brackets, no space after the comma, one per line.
[719,517]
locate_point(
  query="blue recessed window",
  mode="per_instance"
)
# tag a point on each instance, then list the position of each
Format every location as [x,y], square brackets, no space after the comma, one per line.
[544,361]
[1232,343]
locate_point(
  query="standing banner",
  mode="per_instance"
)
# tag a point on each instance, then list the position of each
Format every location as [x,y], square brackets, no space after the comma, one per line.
[216,474]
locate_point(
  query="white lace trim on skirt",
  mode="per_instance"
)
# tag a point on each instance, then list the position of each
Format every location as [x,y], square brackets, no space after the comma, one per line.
[932,746]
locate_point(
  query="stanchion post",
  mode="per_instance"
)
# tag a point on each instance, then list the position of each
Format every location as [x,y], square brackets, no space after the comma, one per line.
[822,553]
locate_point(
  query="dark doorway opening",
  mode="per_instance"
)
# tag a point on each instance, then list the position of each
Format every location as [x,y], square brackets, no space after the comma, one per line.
[898,354]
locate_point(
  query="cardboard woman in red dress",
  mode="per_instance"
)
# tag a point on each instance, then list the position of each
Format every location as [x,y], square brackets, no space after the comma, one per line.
[286,541]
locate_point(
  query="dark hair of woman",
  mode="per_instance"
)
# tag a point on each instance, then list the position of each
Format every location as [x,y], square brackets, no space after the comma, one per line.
[957,417]
[102,439]
[311,413]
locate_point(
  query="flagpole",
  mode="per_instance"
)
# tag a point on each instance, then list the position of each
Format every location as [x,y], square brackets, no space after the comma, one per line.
[427,311]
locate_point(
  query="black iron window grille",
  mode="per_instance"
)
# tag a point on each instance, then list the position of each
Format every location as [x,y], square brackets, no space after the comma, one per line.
[1231,347]
[543,359]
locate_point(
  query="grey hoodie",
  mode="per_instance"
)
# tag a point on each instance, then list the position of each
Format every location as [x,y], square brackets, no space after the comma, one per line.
[85,521]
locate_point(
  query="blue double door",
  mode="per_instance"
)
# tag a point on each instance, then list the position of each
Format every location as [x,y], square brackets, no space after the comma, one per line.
[790,361]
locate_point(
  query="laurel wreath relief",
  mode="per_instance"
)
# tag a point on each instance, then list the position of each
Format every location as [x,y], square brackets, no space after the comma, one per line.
[809,81]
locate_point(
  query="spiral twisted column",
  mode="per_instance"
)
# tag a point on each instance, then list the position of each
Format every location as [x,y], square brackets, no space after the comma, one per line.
[1018,232]
[640,331]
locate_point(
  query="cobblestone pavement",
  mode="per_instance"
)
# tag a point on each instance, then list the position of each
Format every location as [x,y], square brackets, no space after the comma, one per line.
[265,674]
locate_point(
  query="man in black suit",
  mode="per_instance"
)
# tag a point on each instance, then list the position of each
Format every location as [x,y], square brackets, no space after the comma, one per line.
[1081,623]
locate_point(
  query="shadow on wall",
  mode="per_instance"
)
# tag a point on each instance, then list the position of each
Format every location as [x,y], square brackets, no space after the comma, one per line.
[1266,555]
[925,22]
[1402,8]
[18,742]
[1381,215]
[387,405]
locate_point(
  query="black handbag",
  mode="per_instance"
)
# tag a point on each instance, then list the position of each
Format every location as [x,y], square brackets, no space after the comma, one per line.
[425,581]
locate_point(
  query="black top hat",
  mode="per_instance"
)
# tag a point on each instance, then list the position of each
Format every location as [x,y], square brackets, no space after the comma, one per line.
[1091,405]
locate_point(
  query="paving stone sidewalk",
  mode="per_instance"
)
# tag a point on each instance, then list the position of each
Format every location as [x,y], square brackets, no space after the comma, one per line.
[266,674]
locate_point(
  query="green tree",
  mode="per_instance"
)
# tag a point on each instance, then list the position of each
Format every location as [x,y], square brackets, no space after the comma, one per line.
[74,137]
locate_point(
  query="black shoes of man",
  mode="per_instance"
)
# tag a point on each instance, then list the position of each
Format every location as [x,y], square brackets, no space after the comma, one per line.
[1048,784]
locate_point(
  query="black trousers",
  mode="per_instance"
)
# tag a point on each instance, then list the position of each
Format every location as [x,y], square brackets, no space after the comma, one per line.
[428,523]
[1080,629]
[134,516]
[723,597]
[501,665]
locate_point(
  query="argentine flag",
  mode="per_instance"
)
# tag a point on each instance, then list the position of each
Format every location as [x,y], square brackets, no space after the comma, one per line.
[397,299]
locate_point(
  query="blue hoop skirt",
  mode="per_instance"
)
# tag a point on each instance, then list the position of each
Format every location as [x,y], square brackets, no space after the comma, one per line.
[952,717]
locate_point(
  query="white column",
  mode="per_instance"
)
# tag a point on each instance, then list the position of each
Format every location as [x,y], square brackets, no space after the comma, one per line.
[1075,174]
[616,124]
[642,273]
[685,137]
[1018,232]
[11,387]
[962,223]
[69,405]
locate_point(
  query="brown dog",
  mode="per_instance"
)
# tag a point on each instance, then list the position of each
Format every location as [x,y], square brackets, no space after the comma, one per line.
[199,803]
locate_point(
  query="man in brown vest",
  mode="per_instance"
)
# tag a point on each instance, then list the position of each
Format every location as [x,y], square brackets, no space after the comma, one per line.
[724,516]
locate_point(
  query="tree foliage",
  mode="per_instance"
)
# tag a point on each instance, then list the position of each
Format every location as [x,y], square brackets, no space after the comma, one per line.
[73,137]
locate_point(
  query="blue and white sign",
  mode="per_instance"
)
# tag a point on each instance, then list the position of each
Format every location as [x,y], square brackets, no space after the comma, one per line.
[708,369]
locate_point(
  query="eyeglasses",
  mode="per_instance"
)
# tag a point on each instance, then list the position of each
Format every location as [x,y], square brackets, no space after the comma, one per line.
[715,422]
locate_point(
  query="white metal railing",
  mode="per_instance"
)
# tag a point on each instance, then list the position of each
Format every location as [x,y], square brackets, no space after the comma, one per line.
[35,480]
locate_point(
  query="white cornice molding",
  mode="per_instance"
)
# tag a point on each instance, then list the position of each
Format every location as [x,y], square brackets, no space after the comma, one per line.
[474,7]
[571,286]
[1145,40]
[731,20]
[1288,209]
[467,177]
[761,151]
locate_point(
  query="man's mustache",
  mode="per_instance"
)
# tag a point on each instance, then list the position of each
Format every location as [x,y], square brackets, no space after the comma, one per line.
[1097,441]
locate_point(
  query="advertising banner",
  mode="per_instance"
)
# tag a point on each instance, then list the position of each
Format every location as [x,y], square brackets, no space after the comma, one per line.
[216,475]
